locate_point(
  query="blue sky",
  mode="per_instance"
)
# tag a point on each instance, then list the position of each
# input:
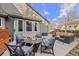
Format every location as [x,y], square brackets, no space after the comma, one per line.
[49,10]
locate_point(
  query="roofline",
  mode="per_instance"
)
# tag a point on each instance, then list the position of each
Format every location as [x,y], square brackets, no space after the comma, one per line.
[2,15]
[37,12]
[19,17]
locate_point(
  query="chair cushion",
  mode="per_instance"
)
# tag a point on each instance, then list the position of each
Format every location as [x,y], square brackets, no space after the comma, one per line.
[48,42]
[19,51]
[39,35]
[18,36]
[27,49]
[45,42]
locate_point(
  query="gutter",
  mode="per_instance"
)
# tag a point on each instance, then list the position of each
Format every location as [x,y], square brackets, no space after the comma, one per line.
[19,17]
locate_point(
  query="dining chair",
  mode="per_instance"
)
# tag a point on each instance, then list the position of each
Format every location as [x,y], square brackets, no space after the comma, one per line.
[35,46]
[17,50]
[19,39]
[28,50]
[48,44]
[38,35]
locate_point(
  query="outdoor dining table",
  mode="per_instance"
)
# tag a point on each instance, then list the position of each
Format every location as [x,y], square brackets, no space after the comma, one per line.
[35,42]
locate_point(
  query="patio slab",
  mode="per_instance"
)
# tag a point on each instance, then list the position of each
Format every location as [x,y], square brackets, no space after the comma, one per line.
[60,49]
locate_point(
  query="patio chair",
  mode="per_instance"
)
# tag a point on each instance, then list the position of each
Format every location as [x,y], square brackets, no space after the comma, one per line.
[16,50]
[37,45]
[47,45]
[19,39]
[28,50]
[38,35]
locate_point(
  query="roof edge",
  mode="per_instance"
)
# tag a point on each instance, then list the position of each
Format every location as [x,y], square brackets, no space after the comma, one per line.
[19,17]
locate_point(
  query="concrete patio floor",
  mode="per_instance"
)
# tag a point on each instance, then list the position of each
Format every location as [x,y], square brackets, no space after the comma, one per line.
[60,49]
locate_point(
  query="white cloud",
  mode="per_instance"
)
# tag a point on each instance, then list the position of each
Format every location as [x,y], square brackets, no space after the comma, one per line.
[54,19]
[46,12]
[65,8]
[43,3]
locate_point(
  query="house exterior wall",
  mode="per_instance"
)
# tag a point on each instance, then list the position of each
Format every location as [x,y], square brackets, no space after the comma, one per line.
[24,32]
[43,28]
[9,23]
[12,25]
[25,11]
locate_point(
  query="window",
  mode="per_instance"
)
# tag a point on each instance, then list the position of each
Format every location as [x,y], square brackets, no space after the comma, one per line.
[0,21]
[2,24]
[20,25]
[28,26]
[35,27]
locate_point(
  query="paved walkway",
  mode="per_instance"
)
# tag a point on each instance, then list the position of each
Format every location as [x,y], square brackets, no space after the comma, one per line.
[60,49]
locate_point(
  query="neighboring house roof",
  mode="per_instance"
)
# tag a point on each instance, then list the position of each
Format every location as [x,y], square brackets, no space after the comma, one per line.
[37,12]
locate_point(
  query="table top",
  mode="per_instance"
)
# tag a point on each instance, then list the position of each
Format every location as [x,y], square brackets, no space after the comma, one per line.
[39,40]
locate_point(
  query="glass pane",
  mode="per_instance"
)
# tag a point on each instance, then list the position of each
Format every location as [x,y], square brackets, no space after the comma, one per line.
[28,26]
[20,25]
[0,22]
[35,26]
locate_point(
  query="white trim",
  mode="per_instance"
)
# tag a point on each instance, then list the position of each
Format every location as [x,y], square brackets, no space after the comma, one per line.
[33,26]
[2,23]
[36,26]
[26,25]
[18,25]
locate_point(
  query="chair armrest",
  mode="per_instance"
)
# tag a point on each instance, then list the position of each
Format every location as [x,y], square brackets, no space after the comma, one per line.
[32,45]
[43,40]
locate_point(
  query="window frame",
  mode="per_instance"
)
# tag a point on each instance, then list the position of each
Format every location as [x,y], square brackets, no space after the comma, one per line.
[28,26]
[0,22]
[22,25]
[2,26]
[35,25]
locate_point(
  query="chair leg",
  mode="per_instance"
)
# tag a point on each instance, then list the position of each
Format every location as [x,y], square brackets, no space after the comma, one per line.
[32,54]
[41,49]
[53,52]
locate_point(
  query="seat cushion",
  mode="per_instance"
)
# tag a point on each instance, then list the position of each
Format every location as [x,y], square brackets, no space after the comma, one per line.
[27,49]
[19,51]
[45,42]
